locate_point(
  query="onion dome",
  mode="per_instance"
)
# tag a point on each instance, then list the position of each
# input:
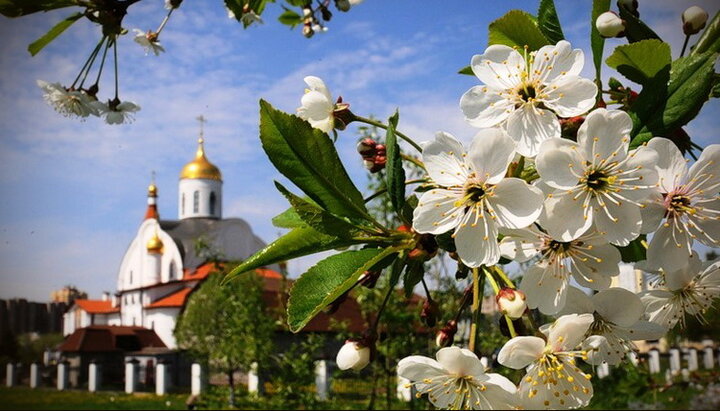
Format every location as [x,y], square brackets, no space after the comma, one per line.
[200,167]
[155,244]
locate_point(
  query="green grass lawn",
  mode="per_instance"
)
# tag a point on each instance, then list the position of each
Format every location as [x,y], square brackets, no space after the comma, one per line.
[25,398]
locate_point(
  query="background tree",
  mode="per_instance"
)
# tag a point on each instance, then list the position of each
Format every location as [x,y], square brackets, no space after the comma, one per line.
[227,325]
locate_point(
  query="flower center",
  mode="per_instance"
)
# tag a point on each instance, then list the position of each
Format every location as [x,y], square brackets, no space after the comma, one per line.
[680,203]
[598,181]
[475,193]
[527,93]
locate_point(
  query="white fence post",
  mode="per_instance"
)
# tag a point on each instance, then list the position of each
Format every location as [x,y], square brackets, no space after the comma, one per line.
[254,383]
[131,376]
[34,375]
[322,379]
[94,376]
[603,370]
[692,360]
[708,360]
[62,375]
[674,361]
[196,379]
[10,375]
[654,361]
[162,378]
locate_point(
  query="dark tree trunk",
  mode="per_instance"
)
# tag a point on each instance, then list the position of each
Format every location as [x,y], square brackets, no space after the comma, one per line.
[231,383]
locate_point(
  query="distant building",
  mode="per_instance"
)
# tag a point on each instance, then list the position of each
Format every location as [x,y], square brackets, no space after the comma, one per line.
[20,316]
[631,279]
[67,295]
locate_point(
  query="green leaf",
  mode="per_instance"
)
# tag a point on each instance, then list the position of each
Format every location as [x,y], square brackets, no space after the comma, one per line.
[395,173]
[635,29]
[408,209]
[308,158]
[318,218]
[634,251]
[57,30]
[716,88]
[549,22]
[288,219]
[297,243]
[597,42]
[396,269]
[664,106]
[517,28]
[640,61]
[414,273]
[18,8]
[327,280]
[709,40]
[290,18]
[466,70]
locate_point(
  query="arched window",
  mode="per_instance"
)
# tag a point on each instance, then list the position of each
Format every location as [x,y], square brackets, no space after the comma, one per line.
[182,204]
[130,279]
[212,203]
[171,271]
[196,202]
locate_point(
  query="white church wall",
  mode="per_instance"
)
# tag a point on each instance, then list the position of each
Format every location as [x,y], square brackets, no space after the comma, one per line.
[204,188]
[162,320]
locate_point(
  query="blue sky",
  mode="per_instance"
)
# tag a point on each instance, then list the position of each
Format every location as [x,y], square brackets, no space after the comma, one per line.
[73,193]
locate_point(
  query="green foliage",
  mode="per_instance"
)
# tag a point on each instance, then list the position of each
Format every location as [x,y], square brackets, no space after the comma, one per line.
[288,219]
[316,217]
[293,372]
[30,347]
[641,61]
[307,157]
[674,98]
[710,38]
[290,18]
[466,70]
[549,22]
[395,172]
[37,45]
[18,8]
[327,280]
[517,28]
[227,325]
[635,251]
[635,29]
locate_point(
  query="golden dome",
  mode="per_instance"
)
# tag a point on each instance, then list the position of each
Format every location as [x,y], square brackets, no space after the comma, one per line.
[152,190]
[200,167]
[155,244]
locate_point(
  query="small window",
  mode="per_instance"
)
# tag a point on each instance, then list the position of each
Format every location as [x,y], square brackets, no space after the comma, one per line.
[171,271]
[196,202]
[131,279]
[212,203]
[182,204]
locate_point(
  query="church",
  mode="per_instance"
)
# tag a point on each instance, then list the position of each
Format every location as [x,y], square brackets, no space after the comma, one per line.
[162,264]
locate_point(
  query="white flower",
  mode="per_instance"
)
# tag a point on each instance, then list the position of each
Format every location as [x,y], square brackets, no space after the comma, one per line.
[149,41]
[552,380]
[690,290]
[687,203]
[511,302]
[528,94]
[694,19]
[596,180]
[617,315]
[474,197]
[116,112]
[67,102]
[317,105]
[353,355]
[609,24]
[588,258]
[457,380]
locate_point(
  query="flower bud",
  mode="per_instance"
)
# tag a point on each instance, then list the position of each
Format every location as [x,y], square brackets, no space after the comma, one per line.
[366,147]
[381,150]
[446,335]
[694,19]
[307,31]
[629,5]
[430,313]
[609,24]
[511,302]
[343,5]
[353,355]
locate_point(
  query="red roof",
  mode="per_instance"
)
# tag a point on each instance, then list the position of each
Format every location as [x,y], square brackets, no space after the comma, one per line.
[175,299]
[97,306]
[109,338]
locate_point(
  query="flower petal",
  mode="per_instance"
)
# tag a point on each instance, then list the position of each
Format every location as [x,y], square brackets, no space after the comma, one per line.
[646,330]
[444,161]
[559,163]
[529,126]
[484,106]
[558,61]
[418,367]
[563,217]
[568,331]
[604,133]
[520,352]
[500,67]
[317,84]
[619,224]
[601,264]
[490,154]
[460,361]
[436,212]
[660,308]
[477,242]
[577,303]
[519,245]
[545,289]
[652,213]
[516,203]
[570,96]
[604,348]
[671,167]
[669,248]
[707,169]
[619,306]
